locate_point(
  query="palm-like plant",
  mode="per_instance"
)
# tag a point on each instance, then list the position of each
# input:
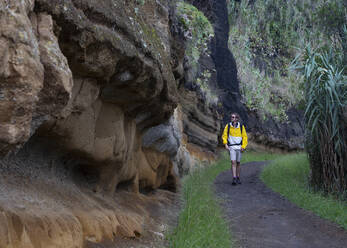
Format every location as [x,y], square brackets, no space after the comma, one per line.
[326,100]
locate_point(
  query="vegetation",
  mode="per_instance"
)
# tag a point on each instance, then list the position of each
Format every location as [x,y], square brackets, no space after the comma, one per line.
[288,175]
[140,2]
[332,17]
[198,31]
[201,222]
[326,100]
[265,37]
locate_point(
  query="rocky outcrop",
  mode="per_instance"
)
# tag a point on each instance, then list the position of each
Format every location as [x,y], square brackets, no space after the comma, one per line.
[201,125]
[287,136]
[98,72]
[46,200]
[87,92]
[36,79]
[21,75]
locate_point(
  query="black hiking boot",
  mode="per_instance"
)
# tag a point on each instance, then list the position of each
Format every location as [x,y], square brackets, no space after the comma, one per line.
[234,181]
[238,180]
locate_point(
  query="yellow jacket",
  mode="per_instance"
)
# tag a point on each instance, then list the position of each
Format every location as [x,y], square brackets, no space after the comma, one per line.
[235,135]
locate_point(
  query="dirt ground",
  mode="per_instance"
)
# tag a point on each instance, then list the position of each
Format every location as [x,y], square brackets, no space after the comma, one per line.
[44,193]
[163,218]
[259,217]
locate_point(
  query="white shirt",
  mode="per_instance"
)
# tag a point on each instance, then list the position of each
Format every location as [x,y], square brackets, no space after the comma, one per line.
[233,139]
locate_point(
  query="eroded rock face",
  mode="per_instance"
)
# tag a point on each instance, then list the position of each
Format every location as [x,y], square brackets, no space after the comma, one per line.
[201,123]
[57,84]
[119,54]
[21,73]
[95,79]
[89,93]
[126,52]
[287,136]
[47,200]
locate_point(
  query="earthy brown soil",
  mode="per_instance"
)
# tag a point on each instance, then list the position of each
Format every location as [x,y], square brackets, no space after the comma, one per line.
[262,218]
[163,218]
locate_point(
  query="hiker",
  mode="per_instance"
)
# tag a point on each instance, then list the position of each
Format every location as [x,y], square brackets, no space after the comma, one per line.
[235,141]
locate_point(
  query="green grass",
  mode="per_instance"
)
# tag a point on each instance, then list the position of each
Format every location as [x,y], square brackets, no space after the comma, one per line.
[288,175]
[258,156]
[201,222]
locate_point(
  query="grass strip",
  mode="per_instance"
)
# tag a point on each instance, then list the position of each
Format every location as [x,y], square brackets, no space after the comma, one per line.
[288,175]
[201,222]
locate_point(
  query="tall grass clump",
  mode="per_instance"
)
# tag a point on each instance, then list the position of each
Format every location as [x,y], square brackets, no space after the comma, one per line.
[326,102]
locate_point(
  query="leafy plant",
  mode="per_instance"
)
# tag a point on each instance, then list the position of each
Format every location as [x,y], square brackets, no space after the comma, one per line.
[197,30]
[331,16]
[326,100]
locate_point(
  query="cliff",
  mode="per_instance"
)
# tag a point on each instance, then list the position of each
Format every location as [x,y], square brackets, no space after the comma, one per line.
[270,133]
[87,96]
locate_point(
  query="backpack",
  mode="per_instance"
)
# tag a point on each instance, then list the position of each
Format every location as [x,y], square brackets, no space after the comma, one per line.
[241,126]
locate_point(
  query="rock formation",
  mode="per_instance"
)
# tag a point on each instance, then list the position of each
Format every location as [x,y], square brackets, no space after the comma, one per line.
[98,76]
[86,98]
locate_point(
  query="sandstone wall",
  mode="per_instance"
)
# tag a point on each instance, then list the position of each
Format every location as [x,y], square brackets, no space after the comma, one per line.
[87,91]
[96,73]
[93,122]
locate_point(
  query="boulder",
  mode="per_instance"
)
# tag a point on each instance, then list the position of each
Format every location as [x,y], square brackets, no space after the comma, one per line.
[21,73]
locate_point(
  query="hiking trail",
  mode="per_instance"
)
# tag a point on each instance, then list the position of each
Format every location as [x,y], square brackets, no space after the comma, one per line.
[259,217]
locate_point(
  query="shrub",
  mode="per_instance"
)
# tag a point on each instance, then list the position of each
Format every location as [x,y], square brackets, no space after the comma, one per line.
[326,99]
[331,16]
[197,30]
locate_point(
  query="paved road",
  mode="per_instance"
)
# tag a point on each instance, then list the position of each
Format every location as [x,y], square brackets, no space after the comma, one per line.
[260,218]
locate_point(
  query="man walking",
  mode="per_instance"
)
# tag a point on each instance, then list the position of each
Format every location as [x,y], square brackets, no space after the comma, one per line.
[235,141]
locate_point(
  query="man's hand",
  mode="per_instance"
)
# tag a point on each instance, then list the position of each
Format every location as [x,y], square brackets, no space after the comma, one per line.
[227,147]
[242,149]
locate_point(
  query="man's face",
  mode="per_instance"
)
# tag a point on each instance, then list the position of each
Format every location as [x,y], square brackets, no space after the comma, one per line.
[234,118]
